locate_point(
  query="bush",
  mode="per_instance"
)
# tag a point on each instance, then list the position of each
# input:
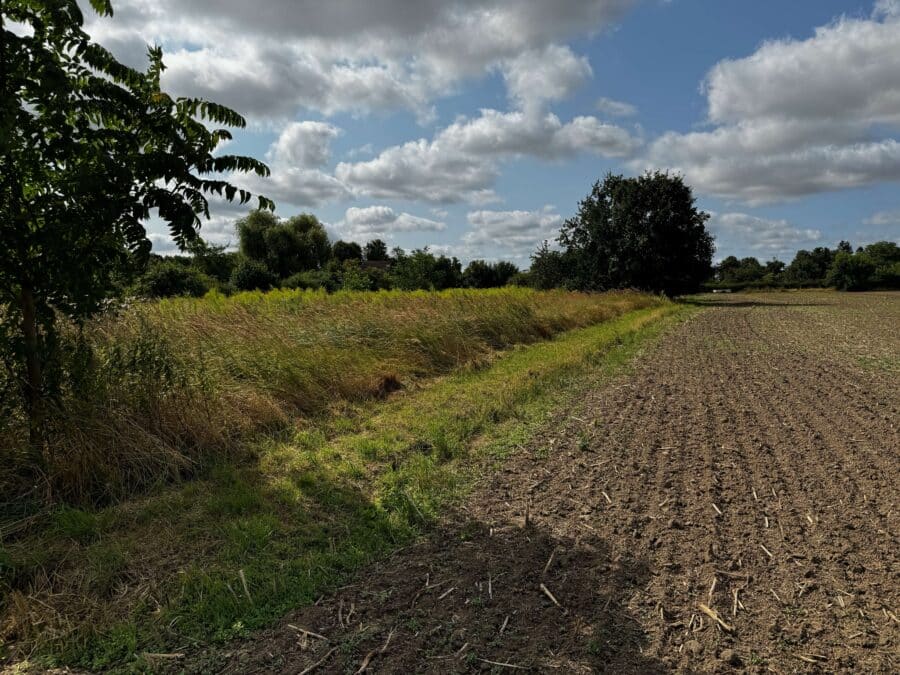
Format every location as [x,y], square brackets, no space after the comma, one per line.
[251,275]
[355,279]
[170,279]
[851,272]
[312,280]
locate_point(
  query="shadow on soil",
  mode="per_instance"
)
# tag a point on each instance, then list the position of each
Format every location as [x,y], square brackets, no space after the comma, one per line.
[469,599]
[703,302]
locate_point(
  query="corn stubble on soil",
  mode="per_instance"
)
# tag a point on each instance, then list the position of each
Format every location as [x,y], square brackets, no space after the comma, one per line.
[729,505]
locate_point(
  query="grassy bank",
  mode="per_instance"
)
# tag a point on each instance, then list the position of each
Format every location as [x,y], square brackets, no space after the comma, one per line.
[218,556]
[158,390]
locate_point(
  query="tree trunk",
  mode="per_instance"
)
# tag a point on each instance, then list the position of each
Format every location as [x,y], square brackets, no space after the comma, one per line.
[33,382]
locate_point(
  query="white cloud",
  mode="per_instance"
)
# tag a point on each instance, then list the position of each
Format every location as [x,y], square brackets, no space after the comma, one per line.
[883,218]
[297,161]
[304,144]
[461,162]
[798,116]
[742,234]
[549,74]
[515,233]
[271,59]
[610,106]
[379,221]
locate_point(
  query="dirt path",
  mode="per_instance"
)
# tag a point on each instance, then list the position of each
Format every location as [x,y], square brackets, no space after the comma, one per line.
[749,464]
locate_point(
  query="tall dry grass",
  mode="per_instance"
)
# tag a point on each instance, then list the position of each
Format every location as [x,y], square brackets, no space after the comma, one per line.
[154,391]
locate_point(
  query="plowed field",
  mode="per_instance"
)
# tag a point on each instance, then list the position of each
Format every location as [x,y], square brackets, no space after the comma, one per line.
[730,504]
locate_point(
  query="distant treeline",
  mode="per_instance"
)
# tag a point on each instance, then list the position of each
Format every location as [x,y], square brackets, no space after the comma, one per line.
[876,266]
[296,253]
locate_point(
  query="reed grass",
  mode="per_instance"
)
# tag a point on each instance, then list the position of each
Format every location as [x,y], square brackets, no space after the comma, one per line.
[155,391]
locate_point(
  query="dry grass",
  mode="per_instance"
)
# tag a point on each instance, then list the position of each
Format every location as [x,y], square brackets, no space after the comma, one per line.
[155,391]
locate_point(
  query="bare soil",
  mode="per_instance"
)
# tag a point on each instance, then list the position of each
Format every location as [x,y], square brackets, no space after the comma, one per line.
[748,465]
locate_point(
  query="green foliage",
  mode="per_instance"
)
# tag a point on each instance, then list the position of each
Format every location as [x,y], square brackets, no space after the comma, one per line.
[355,279]
[549,268]
[422,270]
[877,266]
[169,278]
[213,261]
[732,270]
[480,274]
[251,275]
[89,148]
[883,253]
[644,233]
[313,280]
[376,250]
[851,272]
[342,251]
[75,524]
[810,268]
[286,247]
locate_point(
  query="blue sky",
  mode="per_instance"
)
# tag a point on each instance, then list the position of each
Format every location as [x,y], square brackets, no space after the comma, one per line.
[475,126]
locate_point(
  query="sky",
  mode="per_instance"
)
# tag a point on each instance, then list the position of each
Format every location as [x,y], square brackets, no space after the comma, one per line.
[475,126]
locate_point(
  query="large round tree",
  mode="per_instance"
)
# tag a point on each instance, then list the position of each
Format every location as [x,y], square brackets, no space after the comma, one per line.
[640,232]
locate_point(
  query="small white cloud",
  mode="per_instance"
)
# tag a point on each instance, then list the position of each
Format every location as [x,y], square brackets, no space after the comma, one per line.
[742,234]
[549,74]
[379,221]
[884,218]
[516,234]
[610,106]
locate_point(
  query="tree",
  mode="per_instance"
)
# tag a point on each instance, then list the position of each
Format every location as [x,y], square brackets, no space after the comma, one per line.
[549,268]
[346,250]
[810,267]
[252,230]
[252,275]
[89,148]
[422,270]
[851,272]
[286,247]
[377,250]
[168,278]
[745,270]
[212,260]
[642,232]
[480,274]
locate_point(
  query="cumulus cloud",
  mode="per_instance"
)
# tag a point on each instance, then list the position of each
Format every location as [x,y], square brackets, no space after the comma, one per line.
[379,221]
[304,144]
[743,234]
[516,234]
[461,162]
[382,54]
[297,160]
[798,116]
[549,74]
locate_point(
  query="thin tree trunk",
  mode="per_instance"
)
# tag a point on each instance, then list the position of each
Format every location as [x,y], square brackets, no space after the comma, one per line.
[33,384]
